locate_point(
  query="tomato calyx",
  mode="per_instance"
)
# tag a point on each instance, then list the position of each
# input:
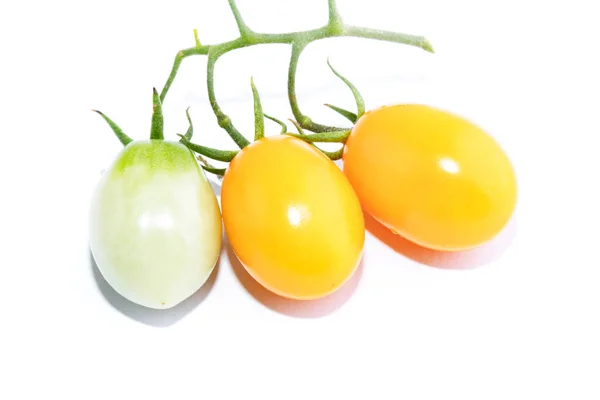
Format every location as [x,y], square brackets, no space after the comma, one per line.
[326,134]
[157,133]
[358,99]
[227,156]
[156,128]
[123,138]
[333,155]
[332,135]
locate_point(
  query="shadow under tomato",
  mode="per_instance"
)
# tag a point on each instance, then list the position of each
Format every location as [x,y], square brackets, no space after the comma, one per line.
[294,308]
[459,260]
[149,316]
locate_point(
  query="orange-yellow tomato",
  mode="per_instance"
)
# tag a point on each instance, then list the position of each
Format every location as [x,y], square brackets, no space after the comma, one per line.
[430,176]
[292,218]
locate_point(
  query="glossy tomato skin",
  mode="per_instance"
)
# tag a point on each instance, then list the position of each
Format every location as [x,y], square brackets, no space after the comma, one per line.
[430,176]
[292,218]
[155,224]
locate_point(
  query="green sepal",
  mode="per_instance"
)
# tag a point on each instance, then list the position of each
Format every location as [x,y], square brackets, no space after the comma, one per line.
[190,132]
[156,130]
[213,170]
[360,104]
[350,116]
[334,155]
[324,137]
[284,128]
[219,155]
[123,138]
[259,116]
[298,127]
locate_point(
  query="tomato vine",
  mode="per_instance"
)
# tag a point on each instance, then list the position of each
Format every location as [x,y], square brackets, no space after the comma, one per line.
[335,27]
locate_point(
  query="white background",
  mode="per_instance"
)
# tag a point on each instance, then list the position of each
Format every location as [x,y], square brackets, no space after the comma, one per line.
[522,324]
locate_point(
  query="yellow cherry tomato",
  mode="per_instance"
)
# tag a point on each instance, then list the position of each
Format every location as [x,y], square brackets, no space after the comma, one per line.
[292,218]
[430,176]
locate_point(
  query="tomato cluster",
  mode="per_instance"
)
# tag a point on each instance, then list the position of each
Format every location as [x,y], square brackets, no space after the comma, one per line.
[291,215]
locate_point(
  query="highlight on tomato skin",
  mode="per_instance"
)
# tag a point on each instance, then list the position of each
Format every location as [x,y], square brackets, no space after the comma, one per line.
[155,224]
[292,218]
[431,176]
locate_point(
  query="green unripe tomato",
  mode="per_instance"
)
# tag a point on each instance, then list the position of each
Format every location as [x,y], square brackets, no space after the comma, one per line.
[155,224]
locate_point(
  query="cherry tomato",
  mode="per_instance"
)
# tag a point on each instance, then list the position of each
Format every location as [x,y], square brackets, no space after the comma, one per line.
[292,218]
[155,224]
[430,176]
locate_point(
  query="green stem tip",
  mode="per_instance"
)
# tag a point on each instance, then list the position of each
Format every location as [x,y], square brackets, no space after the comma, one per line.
[210,168]
[219,155]
[324,137]
[123,138]
[334,155]
[213,170]
[190,132]
[350,116]
[360,104]
[298,127]
[222,119]
[259,117]
[196,39]
[239,20]
[156,130]
[303,121]
[284,128]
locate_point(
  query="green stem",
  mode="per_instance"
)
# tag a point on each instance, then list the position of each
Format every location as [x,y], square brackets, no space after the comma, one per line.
[298,127]
[294,37]
[350,116]
[219,155]
[123,138]
[334,155]
[223,120]
[334,15]
[190,132]
[303,120]
[259,116]
[179,57]
[156,130]
[213,170]
[242,27]
[210,168]
[196,39]
[324,137]
[387,36]
[358,99]
[280,123]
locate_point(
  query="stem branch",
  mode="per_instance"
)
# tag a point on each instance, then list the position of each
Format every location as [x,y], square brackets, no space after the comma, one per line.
[303,120]
[224,121]
[242,27]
